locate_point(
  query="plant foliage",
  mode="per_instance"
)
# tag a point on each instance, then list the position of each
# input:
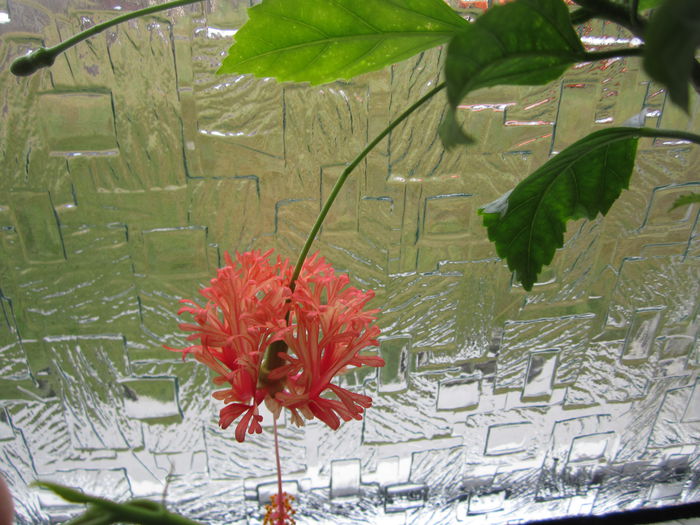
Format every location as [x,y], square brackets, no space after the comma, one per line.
[320,41]
[528,224]
[685,200]
[648,4]
[102,511]
[525,42]
[671,39]
[528,42]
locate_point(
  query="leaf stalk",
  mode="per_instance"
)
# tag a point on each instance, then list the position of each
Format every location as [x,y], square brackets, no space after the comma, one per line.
[627,17]
[592,56]
[616,13]
[669,134]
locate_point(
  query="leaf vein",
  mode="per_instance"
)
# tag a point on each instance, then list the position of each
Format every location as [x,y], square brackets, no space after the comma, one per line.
[314,59]
[557,26]
[570,165]
[497,39]
[504,77]
[398,5]
[303,23]
[355,15]
[337,39]
[356,59]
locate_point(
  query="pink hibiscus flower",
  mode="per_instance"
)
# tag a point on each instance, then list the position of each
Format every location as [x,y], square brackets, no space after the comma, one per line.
[316,331]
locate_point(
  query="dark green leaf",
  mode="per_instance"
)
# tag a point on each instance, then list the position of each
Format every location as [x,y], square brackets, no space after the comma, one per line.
[671,39]
[320,41]
[451,132]
[685,200]
[93,516]
[585,179]
[147,504]
[526,42]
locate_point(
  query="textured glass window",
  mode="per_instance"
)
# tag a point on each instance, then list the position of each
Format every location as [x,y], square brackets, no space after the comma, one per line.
[129,167]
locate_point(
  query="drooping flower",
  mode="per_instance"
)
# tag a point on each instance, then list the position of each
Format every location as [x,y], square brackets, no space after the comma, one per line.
[315,331]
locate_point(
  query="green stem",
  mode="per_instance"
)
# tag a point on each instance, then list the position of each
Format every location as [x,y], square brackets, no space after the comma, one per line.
[613,53]
[271,359]
[623,16]
[348,170]
[45,57]
[670,134]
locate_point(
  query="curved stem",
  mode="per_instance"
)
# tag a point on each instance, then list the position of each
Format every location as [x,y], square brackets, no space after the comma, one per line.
[670,134]
[44,57]
[614,53]
[348,170]
[625,17]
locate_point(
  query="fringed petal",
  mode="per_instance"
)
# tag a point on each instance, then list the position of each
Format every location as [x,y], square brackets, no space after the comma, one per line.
[355,403]
[252,420]
[368,360]
[230,413]
[325,413]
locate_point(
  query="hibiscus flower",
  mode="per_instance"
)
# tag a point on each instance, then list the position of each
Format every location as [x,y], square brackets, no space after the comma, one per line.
[272,340]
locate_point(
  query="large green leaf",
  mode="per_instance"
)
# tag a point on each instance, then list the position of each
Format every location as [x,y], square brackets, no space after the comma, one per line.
[320,41]
[671,39]
[526,42]
[528,224]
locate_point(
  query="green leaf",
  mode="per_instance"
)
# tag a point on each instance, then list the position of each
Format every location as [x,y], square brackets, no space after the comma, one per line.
[528,224]
[101,510]
[321,41]
[93,516]
[67,493]
[451,132]
[685,200]
[648,4]
[671,39]
[526,42]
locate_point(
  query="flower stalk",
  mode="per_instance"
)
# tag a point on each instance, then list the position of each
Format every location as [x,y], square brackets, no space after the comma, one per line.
[279,511]
[346,173]
[280,496]
[45,56]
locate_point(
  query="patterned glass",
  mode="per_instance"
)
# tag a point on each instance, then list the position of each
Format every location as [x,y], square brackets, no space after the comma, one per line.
[129,167]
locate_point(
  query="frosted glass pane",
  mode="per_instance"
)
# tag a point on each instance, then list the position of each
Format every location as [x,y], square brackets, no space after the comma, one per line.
[129,168]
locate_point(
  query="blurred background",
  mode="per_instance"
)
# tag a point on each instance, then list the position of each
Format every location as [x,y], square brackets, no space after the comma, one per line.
[129,167]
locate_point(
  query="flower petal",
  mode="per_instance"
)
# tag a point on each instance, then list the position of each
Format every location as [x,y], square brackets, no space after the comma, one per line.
[230,413]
